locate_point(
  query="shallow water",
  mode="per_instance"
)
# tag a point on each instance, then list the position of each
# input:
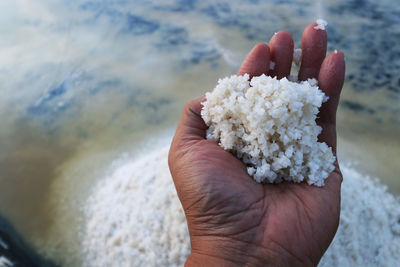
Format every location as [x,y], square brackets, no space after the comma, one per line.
[85,81]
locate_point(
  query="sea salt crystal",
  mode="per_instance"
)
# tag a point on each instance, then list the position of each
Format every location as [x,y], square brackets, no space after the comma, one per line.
[297,56]
[268,152]
[321,24]
[271,65]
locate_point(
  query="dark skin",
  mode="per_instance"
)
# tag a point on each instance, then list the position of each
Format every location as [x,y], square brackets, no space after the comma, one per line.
[234,221]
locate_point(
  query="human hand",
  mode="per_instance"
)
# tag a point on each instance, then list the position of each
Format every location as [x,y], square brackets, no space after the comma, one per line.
[233,220]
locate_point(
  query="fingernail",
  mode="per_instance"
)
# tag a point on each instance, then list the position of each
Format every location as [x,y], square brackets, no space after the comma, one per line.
[337,52]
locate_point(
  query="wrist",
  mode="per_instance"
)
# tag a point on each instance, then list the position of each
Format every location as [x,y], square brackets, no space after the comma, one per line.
[199,260]
[218,251]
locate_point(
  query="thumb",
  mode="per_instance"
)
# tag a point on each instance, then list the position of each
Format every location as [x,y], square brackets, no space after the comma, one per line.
[191,128]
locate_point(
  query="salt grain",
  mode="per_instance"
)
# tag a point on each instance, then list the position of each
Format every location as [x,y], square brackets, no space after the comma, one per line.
[270,125]
[321,24]
[271,65]
[297,54]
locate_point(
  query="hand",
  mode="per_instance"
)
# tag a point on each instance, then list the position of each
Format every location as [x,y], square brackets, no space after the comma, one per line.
[233,220]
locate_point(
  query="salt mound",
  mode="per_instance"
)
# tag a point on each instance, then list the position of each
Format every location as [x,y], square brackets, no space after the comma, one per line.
[369,227]
[270,125]
[134,218]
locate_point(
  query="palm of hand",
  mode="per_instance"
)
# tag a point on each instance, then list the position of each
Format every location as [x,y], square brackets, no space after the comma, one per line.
[294,219]
[223,205]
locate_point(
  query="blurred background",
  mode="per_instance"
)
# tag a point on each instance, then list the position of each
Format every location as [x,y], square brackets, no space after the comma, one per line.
[82,82]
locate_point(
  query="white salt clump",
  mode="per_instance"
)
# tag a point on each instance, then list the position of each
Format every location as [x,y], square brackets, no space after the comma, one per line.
[134,218]
[270,125]
[321,24]
[297,56]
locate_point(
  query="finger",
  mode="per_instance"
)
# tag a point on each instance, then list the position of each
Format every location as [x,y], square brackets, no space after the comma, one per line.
[330,80]
[191,128]
[281,48]
[191,125]
[256,62]
[313,46]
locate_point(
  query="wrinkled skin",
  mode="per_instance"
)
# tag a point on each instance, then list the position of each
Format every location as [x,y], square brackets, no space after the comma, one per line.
[234,221]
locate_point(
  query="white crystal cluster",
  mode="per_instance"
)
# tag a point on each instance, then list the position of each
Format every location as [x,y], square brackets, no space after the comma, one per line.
[321,24]
[270,125]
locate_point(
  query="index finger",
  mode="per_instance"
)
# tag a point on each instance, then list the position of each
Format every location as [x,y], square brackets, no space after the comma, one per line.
[257,61]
